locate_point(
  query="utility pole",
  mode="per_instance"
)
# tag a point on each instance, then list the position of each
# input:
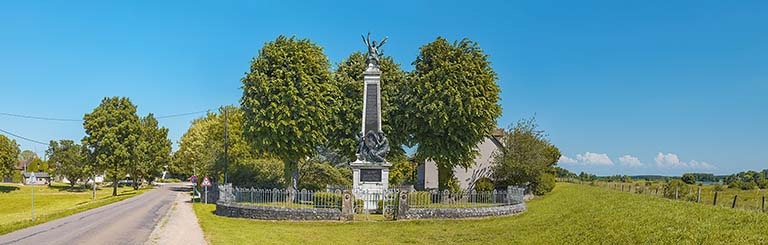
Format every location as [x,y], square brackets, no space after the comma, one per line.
[226,146]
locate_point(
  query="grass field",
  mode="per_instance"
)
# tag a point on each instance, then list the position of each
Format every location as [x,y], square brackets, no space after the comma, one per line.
[572,213]
[745,199]
[50,203]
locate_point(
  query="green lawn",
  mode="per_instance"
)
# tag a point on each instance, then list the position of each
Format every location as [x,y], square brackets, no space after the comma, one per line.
[745,199]
[50,203]
[572,213]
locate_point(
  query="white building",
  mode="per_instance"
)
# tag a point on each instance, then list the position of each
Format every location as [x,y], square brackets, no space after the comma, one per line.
[427,172]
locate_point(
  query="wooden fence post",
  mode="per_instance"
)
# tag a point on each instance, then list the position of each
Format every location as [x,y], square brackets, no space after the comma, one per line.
[714,202]
[763,206]
[734,201]
[698,195]
[676,188]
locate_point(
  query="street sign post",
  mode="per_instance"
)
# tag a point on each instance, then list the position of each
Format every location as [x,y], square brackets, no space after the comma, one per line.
[193,180]
[206,183]
[31,181]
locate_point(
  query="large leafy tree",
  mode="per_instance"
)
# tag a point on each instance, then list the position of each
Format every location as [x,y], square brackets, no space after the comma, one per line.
[195,154]
[112,134]
[152,152]
[202,151]
[69,161]
[37,165]
[27,155]
[348,77]
[288,100]
[527,157]
[451,104]
[9,153]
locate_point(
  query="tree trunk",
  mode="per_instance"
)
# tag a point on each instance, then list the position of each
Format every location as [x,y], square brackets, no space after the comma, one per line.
[444,177]
[114,186]
[291,174]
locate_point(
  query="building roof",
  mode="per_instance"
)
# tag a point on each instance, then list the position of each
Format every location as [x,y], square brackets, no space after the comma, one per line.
[21,164]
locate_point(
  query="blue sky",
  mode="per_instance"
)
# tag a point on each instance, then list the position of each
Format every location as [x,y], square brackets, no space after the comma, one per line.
[642,87]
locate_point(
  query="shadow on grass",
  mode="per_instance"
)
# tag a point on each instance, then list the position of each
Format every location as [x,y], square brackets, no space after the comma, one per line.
[67,188]
[6,189]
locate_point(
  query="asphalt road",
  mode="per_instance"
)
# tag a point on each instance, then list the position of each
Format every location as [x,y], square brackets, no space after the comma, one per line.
[126,222]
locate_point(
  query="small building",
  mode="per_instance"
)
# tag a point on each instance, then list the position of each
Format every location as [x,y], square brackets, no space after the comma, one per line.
[41,178]
[427,172]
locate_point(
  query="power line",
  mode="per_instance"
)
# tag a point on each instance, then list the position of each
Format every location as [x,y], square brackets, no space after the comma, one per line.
[182,114]
[41,118]
[22,137]
[80,120]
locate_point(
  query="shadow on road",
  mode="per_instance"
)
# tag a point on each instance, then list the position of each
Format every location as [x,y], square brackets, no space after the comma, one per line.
[180,188]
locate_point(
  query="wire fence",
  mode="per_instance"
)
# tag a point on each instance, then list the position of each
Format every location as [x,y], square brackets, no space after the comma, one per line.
[715,195]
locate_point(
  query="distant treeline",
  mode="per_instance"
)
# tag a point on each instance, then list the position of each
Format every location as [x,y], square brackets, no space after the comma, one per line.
[737,179]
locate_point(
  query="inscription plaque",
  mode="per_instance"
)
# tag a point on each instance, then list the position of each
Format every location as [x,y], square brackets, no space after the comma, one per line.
[370,175]
[372,108]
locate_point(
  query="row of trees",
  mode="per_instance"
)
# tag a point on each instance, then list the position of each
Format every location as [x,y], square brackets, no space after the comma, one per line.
[118,142]
[295,106]
[298,112]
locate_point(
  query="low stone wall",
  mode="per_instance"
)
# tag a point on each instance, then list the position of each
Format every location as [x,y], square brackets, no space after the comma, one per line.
[276,213]
[458,213]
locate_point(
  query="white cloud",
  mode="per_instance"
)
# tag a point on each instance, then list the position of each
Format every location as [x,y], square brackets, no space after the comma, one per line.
[700,165]
[629,160]
[590,158]
[670,160]
[566,160]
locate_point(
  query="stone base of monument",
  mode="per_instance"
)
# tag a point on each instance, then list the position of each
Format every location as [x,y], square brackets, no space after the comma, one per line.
[370,181]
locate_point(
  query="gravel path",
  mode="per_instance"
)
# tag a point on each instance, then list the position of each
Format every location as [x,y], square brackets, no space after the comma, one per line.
[179,225]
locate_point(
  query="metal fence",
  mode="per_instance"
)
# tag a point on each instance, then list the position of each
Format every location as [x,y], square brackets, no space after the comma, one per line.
[288,198]
[465,199]
[377,201]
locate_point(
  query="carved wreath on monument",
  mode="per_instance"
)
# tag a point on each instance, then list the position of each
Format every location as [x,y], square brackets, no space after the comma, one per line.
[374,146]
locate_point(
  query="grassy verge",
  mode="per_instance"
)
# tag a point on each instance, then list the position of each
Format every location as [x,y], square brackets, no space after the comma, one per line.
[51,203]
[570,214]
[745,199]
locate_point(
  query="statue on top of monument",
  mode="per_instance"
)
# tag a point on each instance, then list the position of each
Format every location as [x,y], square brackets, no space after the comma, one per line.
[374,51]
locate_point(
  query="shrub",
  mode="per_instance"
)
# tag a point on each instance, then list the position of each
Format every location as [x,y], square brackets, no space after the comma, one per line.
[749,185]
[359,205]
[546,182]
[327,200]
[719,187]
[392,200]
[676,184]
[484,184]
[419,198]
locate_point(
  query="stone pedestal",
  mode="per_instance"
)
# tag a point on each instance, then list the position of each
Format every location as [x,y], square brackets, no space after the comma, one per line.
[370,181]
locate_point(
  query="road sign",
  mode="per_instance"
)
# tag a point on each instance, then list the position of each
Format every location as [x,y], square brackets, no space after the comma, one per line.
[193,179]
[206,181]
